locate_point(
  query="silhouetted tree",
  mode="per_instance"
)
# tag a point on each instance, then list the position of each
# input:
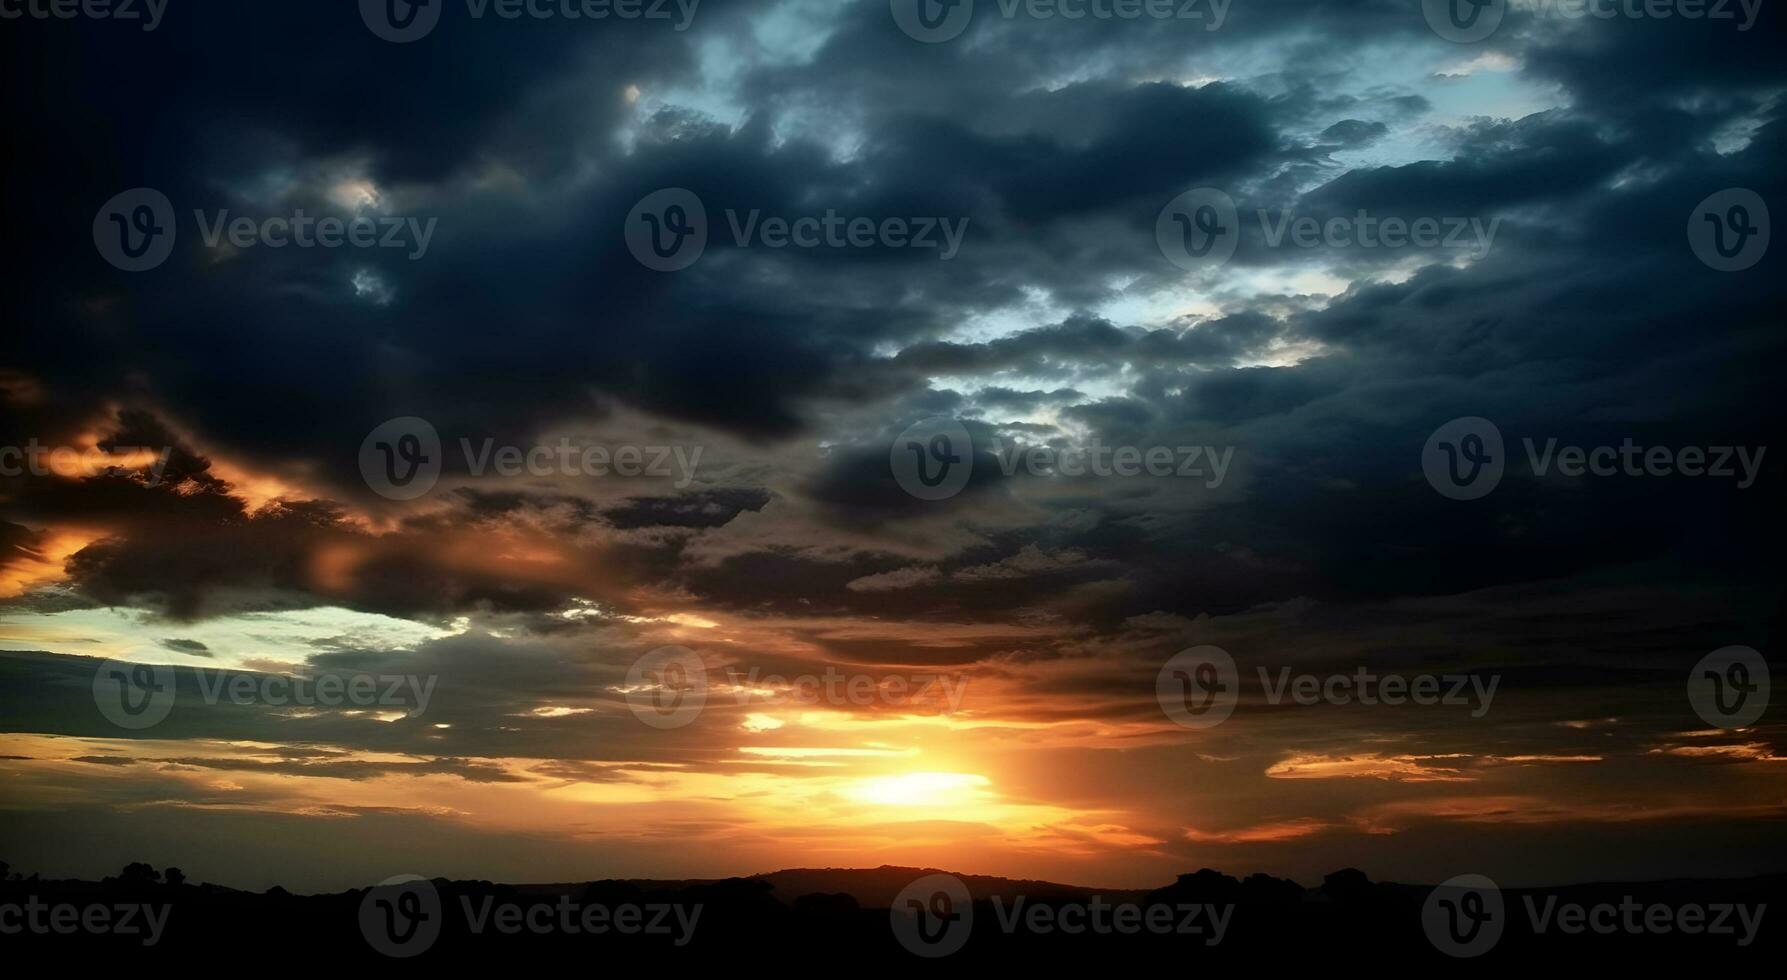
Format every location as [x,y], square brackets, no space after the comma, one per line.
[138,873]
[1203,885]
[1263,889]
[174,877]
[1346,885]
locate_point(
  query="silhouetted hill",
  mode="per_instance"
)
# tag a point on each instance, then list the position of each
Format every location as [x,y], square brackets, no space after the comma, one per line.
[870,887]
[847,915]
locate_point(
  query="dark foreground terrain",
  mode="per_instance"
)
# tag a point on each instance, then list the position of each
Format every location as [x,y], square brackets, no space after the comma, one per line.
[841,918]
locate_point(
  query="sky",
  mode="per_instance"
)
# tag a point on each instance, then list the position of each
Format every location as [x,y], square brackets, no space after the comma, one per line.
[677,596]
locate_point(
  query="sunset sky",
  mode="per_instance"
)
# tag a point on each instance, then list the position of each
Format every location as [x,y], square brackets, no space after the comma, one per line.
[1034,612]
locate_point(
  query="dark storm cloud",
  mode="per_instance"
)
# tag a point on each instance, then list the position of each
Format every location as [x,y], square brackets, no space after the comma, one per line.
[711,349]
[713,508]
[1354,132]
[1589,321]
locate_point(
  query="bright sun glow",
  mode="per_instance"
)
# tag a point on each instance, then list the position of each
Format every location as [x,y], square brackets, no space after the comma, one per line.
[920,789]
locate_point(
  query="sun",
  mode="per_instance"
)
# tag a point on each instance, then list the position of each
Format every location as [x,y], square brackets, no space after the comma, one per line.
[920,789]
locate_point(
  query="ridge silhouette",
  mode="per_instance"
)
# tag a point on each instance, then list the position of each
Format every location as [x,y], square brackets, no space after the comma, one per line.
[841,915]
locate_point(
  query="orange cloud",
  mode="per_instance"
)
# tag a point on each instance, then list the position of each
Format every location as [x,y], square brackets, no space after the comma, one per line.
[1263,833]
[29,567]
[1370,765]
